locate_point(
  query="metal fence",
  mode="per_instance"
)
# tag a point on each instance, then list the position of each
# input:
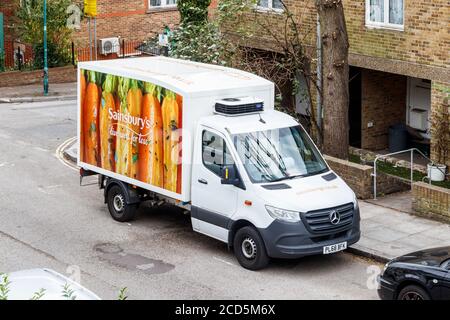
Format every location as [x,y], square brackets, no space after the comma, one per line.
[19,56]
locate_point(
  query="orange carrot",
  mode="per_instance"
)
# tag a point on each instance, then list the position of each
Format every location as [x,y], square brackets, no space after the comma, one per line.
[134,102]
[107,141]
[150,168]
[82,95]
[180,126]
[122,145]
[170,118]
[90,125]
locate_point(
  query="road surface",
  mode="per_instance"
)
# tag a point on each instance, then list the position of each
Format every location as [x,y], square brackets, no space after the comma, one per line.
[48,220]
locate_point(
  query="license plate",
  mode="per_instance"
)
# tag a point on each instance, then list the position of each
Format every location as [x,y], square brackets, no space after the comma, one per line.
[335,248]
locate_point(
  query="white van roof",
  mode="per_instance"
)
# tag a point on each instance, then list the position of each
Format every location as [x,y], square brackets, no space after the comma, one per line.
[182,76]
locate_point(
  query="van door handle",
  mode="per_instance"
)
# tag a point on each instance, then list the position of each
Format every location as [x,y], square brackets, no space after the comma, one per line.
[202,181]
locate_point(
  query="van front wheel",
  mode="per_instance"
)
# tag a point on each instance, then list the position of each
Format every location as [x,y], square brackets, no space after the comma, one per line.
[118,207]
[249,249]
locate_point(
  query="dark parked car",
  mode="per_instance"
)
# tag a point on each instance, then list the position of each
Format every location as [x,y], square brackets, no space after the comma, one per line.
[422,275]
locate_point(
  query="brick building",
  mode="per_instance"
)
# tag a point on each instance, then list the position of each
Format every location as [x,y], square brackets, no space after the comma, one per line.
[134,20]
[399,63]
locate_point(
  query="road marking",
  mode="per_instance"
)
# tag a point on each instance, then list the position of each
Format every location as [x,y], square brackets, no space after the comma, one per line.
[49,188]
[41,149]
[224,261]
[60,156]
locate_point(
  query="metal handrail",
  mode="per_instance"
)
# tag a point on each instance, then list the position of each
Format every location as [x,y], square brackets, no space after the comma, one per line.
[374,174]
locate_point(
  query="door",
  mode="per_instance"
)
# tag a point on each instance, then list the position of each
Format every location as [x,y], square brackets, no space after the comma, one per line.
[446,282]
[213,203]
[419,105]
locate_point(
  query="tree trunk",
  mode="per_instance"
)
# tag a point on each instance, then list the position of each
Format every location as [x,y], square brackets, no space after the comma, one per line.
[335,95]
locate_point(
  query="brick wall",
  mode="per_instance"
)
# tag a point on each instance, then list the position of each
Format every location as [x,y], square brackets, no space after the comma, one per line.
[424,40]
[21,78]
[431,201]
[131,20]
[440,95]
[359,178]
[7,7]
[383,104]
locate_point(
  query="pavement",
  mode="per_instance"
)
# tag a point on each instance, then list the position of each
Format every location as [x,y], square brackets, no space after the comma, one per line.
[34,93]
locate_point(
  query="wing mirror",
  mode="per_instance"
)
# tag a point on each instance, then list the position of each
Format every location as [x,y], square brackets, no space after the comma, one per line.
[230,176]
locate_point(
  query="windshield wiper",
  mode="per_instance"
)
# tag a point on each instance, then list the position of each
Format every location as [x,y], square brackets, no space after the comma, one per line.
[287,178]
[299,175]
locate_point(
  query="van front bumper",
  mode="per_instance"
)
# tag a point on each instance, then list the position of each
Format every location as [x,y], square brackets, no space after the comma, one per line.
[293,240]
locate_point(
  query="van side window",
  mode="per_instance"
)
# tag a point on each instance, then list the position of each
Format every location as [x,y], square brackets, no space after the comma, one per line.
[215,152]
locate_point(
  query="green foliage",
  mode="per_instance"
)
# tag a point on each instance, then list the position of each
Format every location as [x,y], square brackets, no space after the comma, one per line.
[4,286]
[193,11]
[38,294]
[198,42]
[123,294]
[68,293]
[30,30]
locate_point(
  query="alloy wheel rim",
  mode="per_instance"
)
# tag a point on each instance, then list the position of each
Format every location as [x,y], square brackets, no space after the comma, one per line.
[118,203]
[412,295]
[248,247]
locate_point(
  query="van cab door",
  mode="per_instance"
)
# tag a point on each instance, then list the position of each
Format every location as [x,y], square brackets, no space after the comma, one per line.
[213,203]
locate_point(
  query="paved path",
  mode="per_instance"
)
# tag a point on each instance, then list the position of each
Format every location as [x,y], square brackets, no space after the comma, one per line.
[388,233]
[34,93]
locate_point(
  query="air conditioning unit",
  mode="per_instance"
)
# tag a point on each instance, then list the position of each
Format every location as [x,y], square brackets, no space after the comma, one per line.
[109,45]
[238,106]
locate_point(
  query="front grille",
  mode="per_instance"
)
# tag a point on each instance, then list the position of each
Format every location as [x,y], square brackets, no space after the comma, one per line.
[318,221]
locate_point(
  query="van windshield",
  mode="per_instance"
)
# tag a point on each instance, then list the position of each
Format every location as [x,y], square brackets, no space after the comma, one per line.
[278,154]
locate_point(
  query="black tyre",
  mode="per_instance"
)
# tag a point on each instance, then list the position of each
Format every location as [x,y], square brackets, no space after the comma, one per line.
[249,249]
[117,205]
[413,292]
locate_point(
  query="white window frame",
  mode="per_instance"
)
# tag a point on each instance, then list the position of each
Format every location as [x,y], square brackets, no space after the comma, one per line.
[164,4]
[269,8]
[385,24]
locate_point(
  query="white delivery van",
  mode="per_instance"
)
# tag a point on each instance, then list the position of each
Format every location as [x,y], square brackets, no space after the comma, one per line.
[207,138]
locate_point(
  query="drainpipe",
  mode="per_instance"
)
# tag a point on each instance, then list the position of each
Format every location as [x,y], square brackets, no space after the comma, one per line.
[45,51]
[2,44]
[319,73]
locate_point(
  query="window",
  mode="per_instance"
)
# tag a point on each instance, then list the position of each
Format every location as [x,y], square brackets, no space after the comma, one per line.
[446,265]
[215,152]
[278,154]
[385,14]
[162,3]
[270,5]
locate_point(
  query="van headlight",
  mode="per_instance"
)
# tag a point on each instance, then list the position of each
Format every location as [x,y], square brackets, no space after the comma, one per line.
[282,214]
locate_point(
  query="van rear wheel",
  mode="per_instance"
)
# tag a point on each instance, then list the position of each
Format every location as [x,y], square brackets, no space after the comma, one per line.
[118,207]
[249,249]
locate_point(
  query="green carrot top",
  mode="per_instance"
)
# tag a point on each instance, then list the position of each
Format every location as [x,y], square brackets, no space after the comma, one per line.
[154,90]
[110,84]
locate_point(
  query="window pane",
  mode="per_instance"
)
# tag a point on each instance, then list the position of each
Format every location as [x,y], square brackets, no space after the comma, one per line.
[215,152]
[377,10]
[396,11]
[155,3]
[277,4]
[171,2]
[263,3]
[278,154]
